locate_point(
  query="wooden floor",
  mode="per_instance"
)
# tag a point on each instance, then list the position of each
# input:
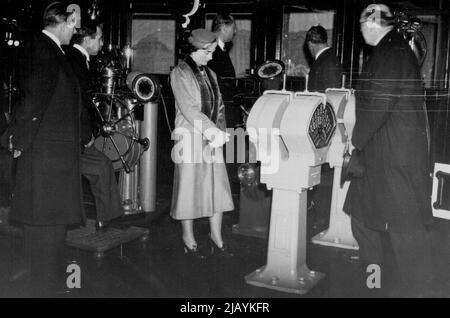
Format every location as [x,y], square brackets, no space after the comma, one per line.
[159,268]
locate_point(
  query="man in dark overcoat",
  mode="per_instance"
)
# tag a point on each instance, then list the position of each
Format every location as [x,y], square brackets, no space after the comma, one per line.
[95,166]
[390,137]
[326,72]
[45,137]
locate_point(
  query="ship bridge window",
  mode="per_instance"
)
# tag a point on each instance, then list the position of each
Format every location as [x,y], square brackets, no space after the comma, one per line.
[153,43]
[294,52]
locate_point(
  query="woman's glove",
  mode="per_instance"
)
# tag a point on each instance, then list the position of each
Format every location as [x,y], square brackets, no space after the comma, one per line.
[220,139]
[216,137]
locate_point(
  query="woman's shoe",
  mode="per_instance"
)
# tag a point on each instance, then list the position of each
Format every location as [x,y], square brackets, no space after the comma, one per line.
[220,251]
[193,252]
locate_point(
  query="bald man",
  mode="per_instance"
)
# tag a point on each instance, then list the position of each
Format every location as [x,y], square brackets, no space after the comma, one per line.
[392,197]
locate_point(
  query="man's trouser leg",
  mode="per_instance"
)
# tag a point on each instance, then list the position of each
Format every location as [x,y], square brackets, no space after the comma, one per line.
[97,168]
[369,241]
[413,256]
[44,248]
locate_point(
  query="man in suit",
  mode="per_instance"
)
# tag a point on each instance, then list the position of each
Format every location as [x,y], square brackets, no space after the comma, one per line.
[224,27]
[392,196]
[95,166]
[326,72]
[44,135]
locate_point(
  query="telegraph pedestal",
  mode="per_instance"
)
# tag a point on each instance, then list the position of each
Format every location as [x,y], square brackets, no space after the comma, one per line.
[292,134]
[286,268]
[339,233]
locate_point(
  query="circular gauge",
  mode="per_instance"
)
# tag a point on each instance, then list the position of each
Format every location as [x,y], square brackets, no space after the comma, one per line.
[322,125]
[270,69]
[144,86]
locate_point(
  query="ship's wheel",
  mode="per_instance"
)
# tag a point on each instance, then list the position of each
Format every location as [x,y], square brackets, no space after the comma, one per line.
[118,134]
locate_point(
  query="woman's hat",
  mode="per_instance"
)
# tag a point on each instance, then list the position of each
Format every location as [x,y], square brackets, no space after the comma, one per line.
[201,38]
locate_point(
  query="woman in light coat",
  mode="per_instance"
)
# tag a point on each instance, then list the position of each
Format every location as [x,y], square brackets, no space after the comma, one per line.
[201,187]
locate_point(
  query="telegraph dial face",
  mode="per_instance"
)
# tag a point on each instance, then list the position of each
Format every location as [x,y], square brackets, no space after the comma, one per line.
[270,69]
[322,125]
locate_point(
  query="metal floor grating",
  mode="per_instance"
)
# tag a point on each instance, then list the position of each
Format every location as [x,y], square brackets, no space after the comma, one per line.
[86,238]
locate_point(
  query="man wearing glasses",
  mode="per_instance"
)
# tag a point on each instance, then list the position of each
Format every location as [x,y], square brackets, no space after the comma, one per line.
[391,198]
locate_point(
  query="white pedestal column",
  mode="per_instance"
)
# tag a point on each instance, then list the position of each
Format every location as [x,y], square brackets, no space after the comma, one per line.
[286,268]
[339,234]
[147,164]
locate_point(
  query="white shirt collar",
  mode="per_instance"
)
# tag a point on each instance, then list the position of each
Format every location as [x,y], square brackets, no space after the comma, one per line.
[53,37]
[82,50]
[221,44]
[321,51]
